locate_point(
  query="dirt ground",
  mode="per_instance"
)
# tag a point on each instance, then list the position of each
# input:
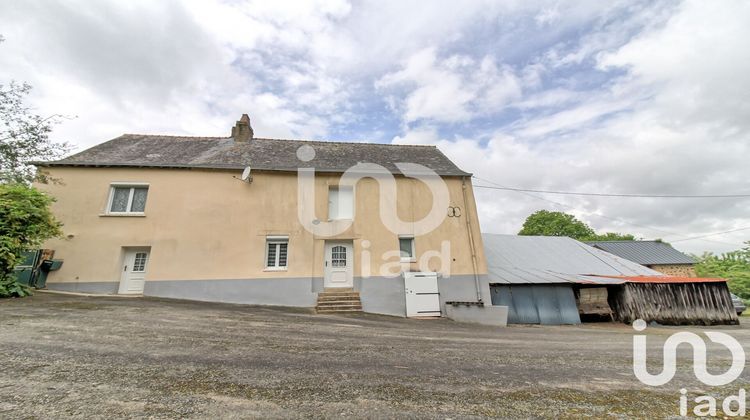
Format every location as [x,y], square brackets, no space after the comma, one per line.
[67,356]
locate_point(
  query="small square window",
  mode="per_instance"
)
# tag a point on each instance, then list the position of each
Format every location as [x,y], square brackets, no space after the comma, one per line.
[128,199]
[276,253]
[406,247]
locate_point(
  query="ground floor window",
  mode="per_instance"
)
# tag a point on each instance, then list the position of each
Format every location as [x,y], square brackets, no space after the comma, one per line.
[276,252]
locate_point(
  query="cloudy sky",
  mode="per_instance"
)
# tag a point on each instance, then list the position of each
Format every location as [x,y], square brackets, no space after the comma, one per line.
[603,97]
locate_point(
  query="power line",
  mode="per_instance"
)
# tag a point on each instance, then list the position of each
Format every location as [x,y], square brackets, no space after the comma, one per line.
[712,234]
[602,216]
[614,195]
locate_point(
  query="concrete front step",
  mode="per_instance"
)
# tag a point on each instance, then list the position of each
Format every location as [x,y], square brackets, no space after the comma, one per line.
[334,310]
[338,300]
[337,310]
[332,298]
[338,294]
[338,304]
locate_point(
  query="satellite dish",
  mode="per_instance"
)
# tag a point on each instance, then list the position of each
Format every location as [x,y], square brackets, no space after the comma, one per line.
[246,175]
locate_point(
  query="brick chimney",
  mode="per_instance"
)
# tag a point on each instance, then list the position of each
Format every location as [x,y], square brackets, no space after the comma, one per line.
[242,131]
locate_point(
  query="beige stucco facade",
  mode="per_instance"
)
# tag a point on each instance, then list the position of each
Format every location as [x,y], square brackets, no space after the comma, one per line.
[208,225]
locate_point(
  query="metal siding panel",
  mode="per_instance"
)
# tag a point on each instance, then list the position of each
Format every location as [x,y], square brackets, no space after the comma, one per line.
[502,296]
[545,299]
[537,304]
[568,309]
[524,304]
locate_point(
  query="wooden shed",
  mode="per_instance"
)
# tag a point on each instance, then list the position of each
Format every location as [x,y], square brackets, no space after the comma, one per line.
[673,301]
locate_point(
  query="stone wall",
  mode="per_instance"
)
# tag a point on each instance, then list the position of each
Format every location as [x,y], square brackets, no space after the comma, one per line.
[679,270]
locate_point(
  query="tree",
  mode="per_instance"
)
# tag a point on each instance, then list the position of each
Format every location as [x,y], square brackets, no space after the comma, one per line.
[24,136]
[555,223]
[613,236]
[733,266]
[25,216]
[25,222]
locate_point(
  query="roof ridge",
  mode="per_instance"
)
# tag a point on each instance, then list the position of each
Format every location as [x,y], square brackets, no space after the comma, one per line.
[172,136]
[278,139]
[630,241]
[347,142]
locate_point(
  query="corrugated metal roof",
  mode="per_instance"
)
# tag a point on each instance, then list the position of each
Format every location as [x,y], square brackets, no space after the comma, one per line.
[515,259]
[644,252]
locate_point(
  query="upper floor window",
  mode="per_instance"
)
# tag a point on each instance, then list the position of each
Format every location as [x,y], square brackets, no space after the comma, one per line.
[406,248]
[276,252]
[340,203]
[128,199]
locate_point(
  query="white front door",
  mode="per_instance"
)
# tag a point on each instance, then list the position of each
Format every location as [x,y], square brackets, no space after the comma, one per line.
[134,272]
[339,267]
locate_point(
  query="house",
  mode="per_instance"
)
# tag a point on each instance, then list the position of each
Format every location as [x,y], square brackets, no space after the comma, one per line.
[250,220]
[558,280]
[656,255]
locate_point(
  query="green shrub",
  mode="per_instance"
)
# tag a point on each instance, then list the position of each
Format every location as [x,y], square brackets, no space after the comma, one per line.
[9,287]
[26,221]
[733,266]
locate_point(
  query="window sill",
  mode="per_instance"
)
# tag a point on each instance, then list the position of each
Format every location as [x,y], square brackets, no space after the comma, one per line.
[122,215]
[408,260]
[275,269]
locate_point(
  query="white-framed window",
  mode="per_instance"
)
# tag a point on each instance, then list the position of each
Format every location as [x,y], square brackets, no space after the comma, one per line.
[406,248]
[127,199]
[341,203]
[277,252]
[338,256]
[139,264]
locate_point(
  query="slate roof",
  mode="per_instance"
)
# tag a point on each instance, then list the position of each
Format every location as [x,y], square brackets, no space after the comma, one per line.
[644,252]
[515,259]
[137,150]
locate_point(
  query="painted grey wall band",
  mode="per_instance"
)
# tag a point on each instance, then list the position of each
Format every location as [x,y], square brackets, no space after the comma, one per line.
[99,287]
[379,295]
[281,292]
[383,295]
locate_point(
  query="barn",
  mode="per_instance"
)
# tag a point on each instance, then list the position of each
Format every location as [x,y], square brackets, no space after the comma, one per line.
[558,280]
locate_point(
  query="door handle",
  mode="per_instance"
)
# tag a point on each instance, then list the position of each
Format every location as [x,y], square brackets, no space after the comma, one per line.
[125,269]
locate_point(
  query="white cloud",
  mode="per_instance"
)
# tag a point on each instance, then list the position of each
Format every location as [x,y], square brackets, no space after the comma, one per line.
[457,88]
[592,96]
[675,120]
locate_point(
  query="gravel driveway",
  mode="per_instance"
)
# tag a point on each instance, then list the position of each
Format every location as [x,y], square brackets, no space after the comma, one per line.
[104,357]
